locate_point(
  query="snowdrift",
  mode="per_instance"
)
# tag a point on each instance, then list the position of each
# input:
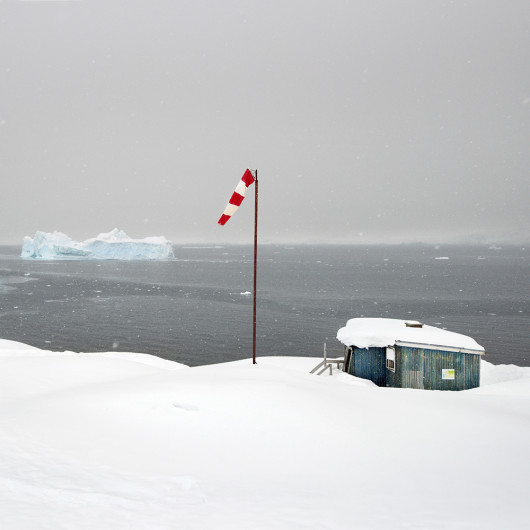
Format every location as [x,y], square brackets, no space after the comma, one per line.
[132,441]
[381,332]
[115,244]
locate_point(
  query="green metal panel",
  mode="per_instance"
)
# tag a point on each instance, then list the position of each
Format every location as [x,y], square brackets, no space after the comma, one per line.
[369,363]
[411,368]
[417,368]
[424,368]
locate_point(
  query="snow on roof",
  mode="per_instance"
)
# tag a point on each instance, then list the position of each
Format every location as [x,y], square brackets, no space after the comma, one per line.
[380,332]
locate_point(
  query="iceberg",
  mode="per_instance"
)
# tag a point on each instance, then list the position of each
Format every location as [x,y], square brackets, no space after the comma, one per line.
[115,244]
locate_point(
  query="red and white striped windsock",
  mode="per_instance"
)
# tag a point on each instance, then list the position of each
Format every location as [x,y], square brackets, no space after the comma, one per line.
[237,197]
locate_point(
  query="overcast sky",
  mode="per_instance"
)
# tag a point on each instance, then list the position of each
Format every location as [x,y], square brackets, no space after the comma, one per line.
[368,120]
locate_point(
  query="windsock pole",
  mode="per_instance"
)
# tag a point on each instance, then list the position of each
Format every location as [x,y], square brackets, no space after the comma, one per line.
[255,265]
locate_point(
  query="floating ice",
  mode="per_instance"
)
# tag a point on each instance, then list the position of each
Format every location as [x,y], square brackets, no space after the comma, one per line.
[113,245]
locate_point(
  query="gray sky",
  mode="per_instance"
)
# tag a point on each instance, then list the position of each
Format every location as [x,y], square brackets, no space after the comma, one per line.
[368,120]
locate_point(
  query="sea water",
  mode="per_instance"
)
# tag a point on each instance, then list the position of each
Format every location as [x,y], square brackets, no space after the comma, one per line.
[197,308]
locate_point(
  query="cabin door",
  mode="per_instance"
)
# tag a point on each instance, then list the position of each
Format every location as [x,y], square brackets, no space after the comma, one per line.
[349,362]
[416,379]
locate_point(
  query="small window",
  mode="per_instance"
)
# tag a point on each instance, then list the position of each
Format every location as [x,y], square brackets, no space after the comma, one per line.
[391,359]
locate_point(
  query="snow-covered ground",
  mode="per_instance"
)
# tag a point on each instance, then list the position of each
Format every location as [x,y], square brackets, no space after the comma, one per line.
[133,441]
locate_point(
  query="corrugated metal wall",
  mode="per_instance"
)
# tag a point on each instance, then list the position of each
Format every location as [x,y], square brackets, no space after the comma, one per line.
[417,368]
[369,363]
[433,362]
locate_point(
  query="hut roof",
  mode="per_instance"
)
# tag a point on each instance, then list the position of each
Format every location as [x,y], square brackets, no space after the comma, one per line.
[381,332]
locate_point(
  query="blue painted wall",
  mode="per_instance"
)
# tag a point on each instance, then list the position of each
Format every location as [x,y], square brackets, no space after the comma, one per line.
[416,368]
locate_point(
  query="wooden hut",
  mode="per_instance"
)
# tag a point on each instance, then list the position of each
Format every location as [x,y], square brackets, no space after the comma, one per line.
[408,354]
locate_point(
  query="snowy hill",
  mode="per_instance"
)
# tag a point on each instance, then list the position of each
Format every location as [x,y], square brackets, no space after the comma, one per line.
[133,441]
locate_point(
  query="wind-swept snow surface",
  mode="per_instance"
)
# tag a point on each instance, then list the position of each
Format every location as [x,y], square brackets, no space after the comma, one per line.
[132,441]
[115,244]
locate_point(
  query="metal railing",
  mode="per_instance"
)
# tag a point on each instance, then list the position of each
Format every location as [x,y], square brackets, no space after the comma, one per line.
[326,364]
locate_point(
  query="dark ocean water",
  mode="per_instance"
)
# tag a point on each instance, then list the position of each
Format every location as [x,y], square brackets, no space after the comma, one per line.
[192,309]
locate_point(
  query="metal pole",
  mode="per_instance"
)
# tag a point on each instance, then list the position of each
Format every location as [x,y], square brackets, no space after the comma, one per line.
[255,266]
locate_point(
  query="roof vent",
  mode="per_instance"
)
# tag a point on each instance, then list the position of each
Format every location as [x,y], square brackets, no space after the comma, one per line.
[413,324]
